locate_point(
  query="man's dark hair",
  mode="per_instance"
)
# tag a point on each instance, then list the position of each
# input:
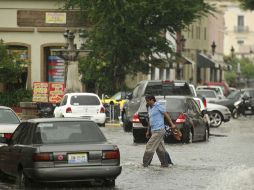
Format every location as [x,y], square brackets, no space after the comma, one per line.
[150,97]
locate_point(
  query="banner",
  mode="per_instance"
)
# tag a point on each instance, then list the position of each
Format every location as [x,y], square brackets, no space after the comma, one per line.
[56,92]
[40,92]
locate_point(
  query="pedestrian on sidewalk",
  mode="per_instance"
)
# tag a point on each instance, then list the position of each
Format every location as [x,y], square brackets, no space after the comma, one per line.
[156,114]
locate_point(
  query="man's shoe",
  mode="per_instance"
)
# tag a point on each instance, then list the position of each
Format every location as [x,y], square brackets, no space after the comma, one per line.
[164,165]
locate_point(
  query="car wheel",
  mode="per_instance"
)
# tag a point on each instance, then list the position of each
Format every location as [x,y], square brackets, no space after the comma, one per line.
[187,135]
[127,125]
[102,124]
[110,182]
[22,181]
[235,114]
[215,119]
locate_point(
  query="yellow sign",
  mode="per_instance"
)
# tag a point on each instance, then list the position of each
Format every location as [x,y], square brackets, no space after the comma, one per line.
[40,92]
[55,18]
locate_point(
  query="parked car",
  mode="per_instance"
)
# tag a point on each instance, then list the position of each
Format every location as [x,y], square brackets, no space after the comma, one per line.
[83,105]
[223,85]
[155,87]
[185,114]
[216,113]
[217,89]
[8,122]
[118,98]
[210,95]
[59,150]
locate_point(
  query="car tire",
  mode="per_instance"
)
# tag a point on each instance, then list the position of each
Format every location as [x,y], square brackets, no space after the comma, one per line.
[235,114]
[127,125]
[110,182]
[187,135]
[216,118]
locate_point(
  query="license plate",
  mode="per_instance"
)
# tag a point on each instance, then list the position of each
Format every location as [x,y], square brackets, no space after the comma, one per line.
[77,158]
[86,117]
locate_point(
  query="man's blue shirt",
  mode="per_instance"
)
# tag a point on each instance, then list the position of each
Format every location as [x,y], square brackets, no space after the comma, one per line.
[156,116]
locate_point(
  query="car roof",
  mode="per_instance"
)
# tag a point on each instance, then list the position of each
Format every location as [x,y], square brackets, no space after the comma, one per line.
[5,107]
[81,93]
[42,120]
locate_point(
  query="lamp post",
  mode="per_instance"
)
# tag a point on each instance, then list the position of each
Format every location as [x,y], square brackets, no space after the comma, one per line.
[232,51]
[71,54]
[213,46]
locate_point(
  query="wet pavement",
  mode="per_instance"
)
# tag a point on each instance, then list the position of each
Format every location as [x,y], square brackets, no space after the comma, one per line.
[226,162]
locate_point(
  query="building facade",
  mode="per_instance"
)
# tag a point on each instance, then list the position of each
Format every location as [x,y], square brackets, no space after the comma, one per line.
[33,29]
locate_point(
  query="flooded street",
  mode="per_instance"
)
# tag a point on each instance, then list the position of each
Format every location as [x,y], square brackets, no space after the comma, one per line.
[225,162]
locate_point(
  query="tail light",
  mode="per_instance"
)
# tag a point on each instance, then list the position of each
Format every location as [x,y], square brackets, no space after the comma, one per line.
[111,154]
[181,119]
[102,110]
[7,135]
[68,110]
[204,101]
[42,157]
[135,118]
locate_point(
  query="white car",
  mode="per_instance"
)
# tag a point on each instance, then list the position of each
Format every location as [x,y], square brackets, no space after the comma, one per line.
[217,113]
[9,121]
[82,105]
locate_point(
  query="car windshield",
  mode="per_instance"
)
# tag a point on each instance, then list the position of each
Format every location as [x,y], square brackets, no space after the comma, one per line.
[81,100]
[68,132]
[8,116]
[207,93]
[116,96]
[233,94]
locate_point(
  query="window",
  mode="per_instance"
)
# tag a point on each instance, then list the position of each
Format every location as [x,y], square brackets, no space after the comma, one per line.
[68,132]
[240,24]
[7,116]
[240,42]
[64,101]
[80,100]
[19,134]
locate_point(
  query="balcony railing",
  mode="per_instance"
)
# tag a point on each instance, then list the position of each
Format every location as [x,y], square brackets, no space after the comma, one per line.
[241,28]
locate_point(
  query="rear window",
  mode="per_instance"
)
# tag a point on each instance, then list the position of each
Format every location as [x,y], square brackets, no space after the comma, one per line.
[68,132]
[7,116]
[173,104]
[168,88]
[82,100]
[208,94]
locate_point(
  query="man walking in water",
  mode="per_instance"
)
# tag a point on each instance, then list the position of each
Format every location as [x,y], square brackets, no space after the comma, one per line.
[157,127]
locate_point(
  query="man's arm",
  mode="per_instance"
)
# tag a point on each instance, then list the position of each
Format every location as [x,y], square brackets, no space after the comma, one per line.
[166,115]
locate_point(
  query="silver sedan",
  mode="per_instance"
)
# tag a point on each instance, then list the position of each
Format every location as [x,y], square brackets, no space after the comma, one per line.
[59,150]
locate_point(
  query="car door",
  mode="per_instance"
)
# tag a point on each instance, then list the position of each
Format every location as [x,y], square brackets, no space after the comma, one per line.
[10,154]
[200,123]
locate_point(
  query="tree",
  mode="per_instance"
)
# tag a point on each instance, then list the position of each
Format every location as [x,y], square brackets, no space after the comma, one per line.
[129,35]
[11,68]
[247,4]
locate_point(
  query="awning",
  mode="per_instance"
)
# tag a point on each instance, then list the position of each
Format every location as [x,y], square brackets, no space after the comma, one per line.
[205,62]
[188,60]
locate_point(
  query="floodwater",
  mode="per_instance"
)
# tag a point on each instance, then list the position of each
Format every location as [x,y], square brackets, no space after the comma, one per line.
[226,162]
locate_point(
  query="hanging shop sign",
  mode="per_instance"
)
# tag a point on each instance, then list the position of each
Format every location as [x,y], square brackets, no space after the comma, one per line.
[40,92]
[56,92]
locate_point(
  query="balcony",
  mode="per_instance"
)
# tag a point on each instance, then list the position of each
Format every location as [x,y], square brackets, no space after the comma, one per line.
[241,29]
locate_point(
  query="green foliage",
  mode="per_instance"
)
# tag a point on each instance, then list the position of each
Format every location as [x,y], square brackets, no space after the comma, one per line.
[247,4]
[129,35]
[15,97]
[11,68]
[231,77]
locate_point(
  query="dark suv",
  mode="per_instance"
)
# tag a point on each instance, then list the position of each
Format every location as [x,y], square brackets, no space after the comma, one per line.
[154,87]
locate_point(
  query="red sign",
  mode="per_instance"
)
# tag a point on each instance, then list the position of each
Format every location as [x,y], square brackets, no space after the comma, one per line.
[56,92]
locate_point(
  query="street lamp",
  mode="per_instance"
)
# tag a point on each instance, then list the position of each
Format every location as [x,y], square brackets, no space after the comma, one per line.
[232,51]
[213,46]
[71,54]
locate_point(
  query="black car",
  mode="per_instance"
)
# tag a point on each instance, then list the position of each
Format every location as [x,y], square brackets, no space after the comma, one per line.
[54,150]
[185,114]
